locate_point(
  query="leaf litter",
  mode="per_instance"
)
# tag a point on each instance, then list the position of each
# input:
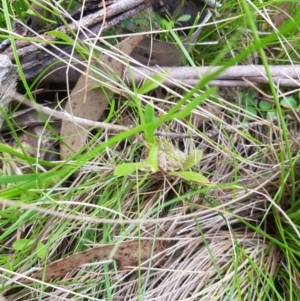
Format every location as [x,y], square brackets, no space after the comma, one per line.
[131,254]
[96,98]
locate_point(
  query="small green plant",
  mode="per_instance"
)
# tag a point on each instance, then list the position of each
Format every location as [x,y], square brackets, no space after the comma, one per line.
[23,244]
[265,109]
[151,122]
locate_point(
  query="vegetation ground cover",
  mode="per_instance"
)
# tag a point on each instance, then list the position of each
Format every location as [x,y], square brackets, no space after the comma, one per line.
[219,189]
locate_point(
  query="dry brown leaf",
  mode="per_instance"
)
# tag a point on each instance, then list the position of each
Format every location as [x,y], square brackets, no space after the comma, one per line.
[170,158]
[155,52]
[127,254]
[74,136]
[39,142]
[285,11]
[282,14]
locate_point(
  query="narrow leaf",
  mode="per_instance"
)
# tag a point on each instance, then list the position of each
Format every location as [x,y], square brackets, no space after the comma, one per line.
[128,168]
[184,18]
[62,36]
[152,158]
[192,159]
[151,84]
[191,176]
[149,114]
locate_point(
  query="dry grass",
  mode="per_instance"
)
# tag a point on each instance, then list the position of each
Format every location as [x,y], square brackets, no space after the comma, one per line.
[209,251]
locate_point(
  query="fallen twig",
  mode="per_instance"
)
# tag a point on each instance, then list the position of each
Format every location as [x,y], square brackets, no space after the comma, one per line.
[87,25]
[34,62]
[63,115]
[285,76]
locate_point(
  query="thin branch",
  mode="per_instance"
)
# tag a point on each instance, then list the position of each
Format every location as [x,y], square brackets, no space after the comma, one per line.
[286,76]
[62,115]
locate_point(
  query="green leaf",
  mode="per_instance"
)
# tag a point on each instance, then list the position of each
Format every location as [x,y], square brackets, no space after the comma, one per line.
[22,244]
[250,101]
[17,178]
[271,114]
[128,168]
[265,105]
[4,259]
[9,266]
[62,36]
[30,12]
[149,136]
[152,83]
[290,102]
[152,161]
[191,176]
[149,115]
[250,110]
[184,18]
[192,159]
[41,250]
[168,24]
